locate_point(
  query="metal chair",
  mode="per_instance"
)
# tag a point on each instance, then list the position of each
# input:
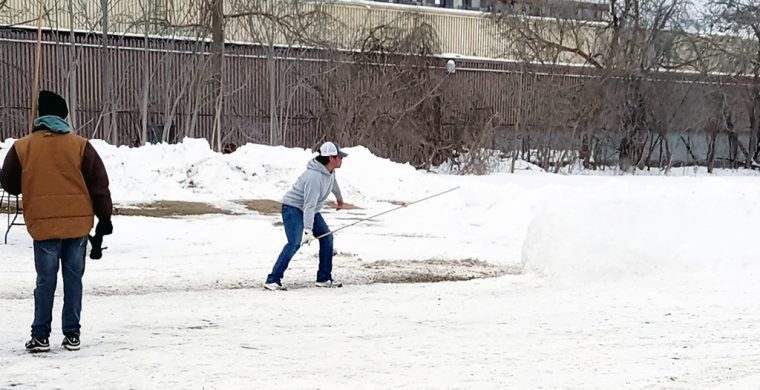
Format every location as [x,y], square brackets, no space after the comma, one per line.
[12,213]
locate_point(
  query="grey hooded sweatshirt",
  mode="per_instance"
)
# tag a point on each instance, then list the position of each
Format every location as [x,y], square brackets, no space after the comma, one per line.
[311,190]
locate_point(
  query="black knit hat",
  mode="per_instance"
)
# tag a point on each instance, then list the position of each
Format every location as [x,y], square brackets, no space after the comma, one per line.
[50,103]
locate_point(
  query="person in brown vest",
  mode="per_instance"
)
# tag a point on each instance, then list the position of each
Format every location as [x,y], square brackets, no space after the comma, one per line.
[64,184]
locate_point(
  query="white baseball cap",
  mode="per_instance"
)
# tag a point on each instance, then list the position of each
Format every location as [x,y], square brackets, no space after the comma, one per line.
[330,149]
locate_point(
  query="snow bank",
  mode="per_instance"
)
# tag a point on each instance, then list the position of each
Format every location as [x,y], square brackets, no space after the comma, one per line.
[680,225]
[192,171]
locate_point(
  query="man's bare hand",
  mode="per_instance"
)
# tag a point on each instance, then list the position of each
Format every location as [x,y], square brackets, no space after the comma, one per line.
[339,204]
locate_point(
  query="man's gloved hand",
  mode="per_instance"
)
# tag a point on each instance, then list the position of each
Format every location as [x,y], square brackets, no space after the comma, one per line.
[96,242]
[104,227]
[308,236]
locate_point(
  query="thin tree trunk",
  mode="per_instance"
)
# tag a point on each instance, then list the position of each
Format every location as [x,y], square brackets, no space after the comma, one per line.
[217,50]
[145,81]
[273,139]
[753,121]
[106,80]
[196,102]
[711,151]
[515,147]
[72,100]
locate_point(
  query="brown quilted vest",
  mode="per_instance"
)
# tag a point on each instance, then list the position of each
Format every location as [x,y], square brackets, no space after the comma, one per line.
[57,203]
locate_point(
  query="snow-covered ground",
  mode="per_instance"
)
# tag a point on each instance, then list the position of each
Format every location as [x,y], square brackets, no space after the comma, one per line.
[597,282]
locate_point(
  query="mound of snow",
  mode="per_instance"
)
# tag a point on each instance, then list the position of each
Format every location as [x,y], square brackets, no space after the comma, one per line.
[609,239]
[191,170]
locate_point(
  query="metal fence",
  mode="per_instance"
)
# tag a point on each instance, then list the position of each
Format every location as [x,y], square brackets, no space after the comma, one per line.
[179,101]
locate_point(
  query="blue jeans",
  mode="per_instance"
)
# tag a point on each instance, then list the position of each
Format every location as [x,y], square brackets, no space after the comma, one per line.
[292,217]
[71,253]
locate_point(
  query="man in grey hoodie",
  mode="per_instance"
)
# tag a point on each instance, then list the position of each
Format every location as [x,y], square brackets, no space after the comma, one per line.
[301,217]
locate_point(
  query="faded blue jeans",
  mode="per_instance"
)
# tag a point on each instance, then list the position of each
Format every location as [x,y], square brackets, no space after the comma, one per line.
[47,254]
[292,218]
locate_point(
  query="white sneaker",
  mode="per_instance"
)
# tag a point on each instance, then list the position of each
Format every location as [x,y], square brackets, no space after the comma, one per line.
[329,284]
[274,286]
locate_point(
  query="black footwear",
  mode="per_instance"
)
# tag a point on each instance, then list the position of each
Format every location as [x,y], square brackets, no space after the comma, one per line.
[37,345]
[71,343]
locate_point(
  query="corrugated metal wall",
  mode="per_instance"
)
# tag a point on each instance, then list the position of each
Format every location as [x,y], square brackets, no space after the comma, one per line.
[179,88]
[180,100]
[462,32]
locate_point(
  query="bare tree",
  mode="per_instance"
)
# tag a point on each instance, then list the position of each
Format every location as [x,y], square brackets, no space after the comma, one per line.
[396,97]
[638,40]
[741,18]
[106,79]
[72,74]
[284,28]
[175,68]
[385,96]
[147,10]
[216,8]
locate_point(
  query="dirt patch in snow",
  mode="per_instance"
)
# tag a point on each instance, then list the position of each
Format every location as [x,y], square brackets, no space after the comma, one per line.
[431,271]
[263,206]
[169,209]
[175,208]
[273,207]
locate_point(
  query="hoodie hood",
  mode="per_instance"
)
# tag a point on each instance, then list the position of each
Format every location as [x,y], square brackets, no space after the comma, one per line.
[53,123]
[315,165]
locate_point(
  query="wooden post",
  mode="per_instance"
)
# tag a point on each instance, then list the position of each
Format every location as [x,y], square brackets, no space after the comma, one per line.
[36,78]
